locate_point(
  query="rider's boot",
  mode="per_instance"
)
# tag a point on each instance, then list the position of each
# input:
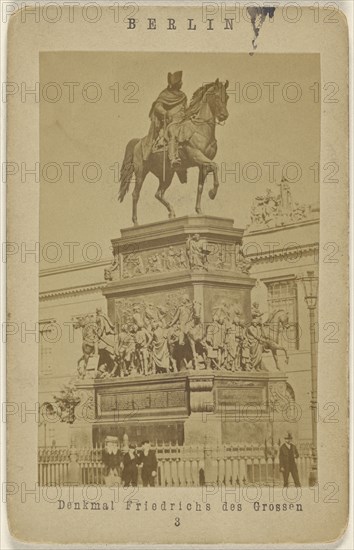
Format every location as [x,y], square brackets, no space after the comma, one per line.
[173,153]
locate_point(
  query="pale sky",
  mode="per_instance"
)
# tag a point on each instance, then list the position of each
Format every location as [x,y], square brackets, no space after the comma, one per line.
[84,132]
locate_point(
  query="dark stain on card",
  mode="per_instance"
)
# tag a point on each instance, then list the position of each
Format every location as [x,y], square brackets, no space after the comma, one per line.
[258,16]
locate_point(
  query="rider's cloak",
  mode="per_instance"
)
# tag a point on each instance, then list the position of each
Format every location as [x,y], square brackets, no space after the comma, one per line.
[169,99]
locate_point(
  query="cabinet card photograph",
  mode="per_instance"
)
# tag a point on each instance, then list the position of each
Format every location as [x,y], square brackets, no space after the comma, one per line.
[177,274]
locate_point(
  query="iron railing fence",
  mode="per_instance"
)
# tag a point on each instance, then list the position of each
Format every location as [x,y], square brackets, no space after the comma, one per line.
[179,465]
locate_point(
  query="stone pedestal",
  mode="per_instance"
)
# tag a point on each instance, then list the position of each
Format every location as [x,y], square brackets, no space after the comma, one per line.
[189,392]
[152,265]
[193,408]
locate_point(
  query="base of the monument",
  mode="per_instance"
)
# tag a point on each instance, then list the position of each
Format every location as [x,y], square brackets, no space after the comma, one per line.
[194,407]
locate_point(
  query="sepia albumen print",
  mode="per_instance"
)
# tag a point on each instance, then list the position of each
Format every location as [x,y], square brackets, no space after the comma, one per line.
[191,354]
[177,238]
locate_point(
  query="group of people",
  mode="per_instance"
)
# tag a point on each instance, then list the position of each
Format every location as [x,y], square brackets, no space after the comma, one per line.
[122,465]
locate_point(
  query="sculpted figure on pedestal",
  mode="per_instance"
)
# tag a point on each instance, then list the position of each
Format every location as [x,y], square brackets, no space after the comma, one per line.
[114,267]
[143,339]
[278,321]
[186,336]
[233,340]
[125,350]
[182,318]
[105,331]
[243,263]
[197,253]
[133,265]
[215,338]
[172,260]
[260,342]
[255,337]
[161,358]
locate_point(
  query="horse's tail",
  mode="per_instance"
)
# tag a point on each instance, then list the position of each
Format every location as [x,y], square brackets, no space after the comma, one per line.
[127,169]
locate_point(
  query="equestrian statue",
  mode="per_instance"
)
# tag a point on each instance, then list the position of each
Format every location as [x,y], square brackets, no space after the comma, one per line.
[180,137]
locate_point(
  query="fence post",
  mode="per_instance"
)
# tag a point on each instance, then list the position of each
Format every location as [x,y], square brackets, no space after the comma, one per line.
[210,468]
[74,470]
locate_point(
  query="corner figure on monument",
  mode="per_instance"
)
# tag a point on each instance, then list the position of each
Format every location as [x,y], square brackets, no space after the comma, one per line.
[197,252]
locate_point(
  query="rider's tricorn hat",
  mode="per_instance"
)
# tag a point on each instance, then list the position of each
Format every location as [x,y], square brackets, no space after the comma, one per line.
[174,78]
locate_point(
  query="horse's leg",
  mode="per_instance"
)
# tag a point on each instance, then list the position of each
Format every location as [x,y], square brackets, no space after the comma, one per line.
[275,357]
[140,176]
[173,364]
[276,348]
[160,194]
[135,198]
[199,159]
[201,179]
[286,355]
[194,353]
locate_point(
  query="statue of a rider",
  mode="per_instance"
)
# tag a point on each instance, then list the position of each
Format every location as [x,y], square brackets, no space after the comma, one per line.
[165,114]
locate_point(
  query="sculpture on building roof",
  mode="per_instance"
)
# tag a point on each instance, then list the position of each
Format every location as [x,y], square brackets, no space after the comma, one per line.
[277,209]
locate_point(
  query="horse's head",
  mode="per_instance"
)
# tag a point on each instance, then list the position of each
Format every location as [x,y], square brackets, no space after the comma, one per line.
[283,319]
[279,318]
[214,96]
[219,100]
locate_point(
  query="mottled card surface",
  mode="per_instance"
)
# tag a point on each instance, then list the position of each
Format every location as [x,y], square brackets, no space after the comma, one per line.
[177,262]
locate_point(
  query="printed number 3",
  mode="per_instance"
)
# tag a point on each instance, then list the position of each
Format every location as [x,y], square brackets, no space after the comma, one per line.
[177,522]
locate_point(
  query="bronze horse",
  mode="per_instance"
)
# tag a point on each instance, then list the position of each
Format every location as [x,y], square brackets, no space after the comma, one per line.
[198,148]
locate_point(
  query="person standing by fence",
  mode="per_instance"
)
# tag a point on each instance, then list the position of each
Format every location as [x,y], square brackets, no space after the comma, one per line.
[111,460]
[130,467]
[148,460]
[287,461]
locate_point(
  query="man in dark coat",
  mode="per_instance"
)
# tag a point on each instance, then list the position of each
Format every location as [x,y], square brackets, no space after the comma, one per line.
[111,460]
[148,460]
[287,460]
[130,467]
[165,114]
